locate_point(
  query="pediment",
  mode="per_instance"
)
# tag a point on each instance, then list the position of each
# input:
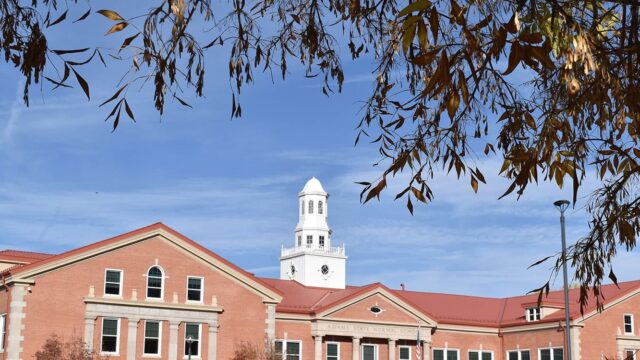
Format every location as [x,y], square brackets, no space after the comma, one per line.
[377,305]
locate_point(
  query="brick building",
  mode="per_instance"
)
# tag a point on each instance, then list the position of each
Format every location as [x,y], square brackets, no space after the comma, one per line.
[142,294]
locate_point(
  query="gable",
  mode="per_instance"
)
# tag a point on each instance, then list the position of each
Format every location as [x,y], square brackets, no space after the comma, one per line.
[392,309]
[189,251]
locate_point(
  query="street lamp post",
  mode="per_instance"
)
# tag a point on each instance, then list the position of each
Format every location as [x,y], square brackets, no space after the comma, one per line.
[562,205]
[189,341]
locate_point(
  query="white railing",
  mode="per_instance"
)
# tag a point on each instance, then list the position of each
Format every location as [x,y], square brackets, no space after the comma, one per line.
[335,250]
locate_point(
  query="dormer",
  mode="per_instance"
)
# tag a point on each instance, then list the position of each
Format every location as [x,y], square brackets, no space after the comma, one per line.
[535,312]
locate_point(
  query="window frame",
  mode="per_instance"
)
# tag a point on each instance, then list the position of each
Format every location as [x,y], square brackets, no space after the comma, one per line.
[310,209]
[536,315]
[404,347]
[309,241]
[480,352]
[201,278]
[184,341]
[159,338]
[320,207]
[321,241]
[519,351]
[117,336]
[551,351]
[302,212]
[3,331]
[624,320]
[633,354]
[376,353]
[337,344]
[121,284]
[162,277]
[445,351]
[299,240]
[285,347]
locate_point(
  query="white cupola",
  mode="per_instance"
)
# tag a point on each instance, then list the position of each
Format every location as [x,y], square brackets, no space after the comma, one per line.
[312,260]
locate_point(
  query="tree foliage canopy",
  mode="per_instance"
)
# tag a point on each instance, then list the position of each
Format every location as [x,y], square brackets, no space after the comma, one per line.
[445,94]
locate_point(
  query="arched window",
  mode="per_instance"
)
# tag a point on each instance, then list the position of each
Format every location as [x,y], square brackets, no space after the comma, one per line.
[320,210]
[310,206]
[302,207]
[154,283]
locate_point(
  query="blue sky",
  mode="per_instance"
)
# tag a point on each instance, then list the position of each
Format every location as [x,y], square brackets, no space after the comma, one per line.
[66,181]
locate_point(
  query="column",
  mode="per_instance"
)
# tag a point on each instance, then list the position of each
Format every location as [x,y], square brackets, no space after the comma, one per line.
[426,349]
[131,338]
[213,341]
[173,339]
[89,327]
[356,348]
[318,347]
[392,349]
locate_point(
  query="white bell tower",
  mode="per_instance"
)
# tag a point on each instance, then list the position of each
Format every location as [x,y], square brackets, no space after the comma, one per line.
[312,261]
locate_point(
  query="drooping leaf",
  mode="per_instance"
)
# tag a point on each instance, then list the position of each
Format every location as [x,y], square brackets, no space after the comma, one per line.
[83,83]
[59,19]
[417,5]
[117,27]
[84,16]
[110,14]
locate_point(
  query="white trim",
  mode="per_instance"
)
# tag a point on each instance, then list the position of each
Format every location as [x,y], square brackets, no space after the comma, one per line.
[201,289]
[144,339]
[480,352]
[551,351]
[375,351]
[519,351]
[445,350]
[117,352]
[184,341]
[624,328]
[533,313]
[104,289]
[162,279]
[3,331]
[403,347]
[336,343]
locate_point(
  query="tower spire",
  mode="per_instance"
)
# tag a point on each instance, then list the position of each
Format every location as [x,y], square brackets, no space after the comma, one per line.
[312,260]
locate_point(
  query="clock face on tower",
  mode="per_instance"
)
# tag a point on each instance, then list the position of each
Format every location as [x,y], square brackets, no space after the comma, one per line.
[324,269]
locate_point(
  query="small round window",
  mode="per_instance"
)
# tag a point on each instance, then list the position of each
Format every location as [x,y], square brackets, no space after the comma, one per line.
[376,309]
[324,269]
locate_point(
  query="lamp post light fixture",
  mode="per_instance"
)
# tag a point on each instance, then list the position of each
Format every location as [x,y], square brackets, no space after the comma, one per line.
[189,340]
[562,205]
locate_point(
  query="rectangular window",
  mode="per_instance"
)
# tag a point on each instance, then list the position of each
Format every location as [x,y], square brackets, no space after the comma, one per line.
[152,337]
[628,324]
[445,354]
[405,353]
[288,350]
[630,354]
[480,355]
[3,330]
[333,351]
[533,314]
[113,282]
[110,336]
[192,340]
[519,355]
[194,288]
[321,242]
[309,240]
[369,352]
[551,354]
[299,240]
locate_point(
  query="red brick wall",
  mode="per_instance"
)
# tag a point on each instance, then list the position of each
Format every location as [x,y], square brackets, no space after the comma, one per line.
[56,302]
[465,341]
[598,337]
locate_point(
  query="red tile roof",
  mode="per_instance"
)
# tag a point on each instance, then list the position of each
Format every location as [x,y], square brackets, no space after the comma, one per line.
[445,308]
[26,257]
